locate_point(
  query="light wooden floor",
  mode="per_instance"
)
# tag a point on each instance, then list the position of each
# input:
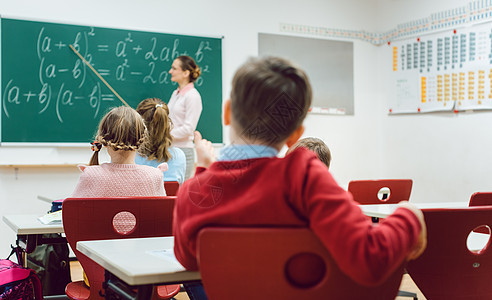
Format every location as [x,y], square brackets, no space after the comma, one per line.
[406,285]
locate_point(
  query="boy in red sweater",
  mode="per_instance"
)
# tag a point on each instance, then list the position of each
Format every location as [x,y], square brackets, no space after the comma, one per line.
[250,186]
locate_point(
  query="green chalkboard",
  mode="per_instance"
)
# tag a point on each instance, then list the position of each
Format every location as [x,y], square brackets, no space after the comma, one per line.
[50,96]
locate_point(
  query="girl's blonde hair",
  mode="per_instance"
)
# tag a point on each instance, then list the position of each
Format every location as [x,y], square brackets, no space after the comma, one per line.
[156,117]
[120,129]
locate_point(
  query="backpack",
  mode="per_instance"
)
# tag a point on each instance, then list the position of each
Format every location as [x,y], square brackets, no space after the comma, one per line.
[17,282]
[51,264]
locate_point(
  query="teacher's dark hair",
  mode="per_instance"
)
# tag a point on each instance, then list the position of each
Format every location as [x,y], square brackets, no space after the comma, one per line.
[188,64]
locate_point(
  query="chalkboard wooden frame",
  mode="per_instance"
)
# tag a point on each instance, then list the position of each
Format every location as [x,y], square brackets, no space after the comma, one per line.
[43,103]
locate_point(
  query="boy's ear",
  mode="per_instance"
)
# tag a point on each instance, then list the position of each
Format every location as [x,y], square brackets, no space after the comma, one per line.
[227,112]
[292,139]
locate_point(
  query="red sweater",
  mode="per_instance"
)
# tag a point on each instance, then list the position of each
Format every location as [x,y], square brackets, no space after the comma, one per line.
[296,191]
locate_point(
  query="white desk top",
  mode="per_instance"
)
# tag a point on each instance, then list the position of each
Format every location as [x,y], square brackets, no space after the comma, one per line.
[29,224]
[139,261]
[475,241]
[384,210]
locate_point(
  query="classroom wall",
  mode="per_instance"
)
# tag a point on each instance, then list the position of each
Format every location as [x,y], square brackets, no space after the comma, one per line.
[447,155]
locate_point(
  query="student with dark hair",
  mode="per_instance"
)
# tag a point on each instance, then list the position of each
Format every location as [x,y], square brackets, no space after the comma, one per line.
[250,186]
[185,107]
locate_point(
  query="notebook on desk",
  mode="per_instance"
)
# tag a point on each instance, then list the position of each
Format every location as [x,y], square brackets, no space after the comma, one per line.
[51,218]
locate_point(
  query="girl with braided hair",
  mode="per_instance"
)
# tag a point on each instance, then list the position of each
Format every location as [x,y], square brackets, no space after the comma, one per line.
[121,132]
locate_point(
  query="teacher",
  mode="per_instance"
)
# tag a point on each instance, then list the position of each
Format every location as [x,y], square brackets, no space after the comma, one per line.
[185,107]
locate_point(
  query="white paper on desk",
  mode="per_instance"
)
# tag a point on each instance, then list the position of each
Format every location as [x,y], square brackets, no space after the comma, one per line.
[51,218]
[167,254]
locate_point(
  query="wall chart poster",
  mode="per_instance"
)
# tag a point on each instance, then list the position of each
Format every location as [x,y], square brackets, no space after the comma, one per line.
[445,71]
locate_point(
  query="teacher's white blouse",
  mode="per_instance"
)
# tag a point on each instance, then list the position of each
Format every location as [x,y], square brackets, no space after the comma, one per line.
[185,108]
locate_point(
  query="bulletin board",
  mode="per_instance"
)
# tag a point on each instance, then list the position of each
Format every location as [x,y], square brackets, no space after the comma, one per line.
[449,70]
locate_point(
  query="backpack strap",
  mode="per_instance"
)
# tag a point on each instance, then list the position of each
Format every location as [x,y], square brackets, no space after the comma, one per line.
[38,290]
[18,253]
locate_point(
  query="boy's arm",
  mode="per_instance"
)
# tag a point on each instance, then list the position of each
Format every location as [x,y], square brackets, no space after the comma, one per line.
[205,154]
[366,253]
[421,243]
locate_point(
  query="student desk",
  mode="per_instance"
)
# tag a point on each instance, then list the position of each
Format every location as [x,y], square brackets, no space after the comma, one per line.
[384,210]
[475,241]
[139,262]
[30,230]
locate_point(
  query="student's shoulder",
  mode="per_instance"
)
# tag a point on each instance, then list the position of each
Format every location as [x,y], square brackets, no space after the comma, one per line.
[88,173]
[85,169]
[148,173]
[146,168]
[176,153]
[301,154]
[143,160]
[304,160]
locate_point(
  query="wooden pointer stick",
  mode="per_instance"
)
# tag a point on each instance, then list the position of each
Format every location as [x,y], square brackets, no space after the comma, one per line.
[100,77]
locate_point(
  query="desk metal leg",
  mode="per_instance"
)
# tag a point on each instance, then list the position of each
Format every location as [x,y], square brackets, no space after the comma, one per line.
[27,243]
[24,259]
[115,288]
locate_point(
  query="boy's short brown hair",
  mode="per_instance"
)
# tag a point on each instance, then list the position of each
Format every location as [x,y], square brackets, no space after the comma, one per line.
[270,98]
[317,146]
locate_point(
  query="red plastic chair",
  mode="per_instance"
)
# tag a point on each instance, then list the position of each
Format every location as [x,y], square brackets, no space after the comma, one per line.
[382,191]
[448,269]
[277,263]
[171,187]
[86,219]
[366,191]
[480,199]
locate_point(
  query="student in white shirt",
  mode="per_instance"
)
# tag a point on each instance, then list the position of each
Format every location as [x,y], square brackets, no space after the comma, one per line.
[185,107]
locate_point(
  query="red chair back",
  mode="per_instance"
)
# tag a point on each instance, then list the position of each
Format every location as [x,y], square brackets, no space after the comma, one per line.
[366,191]
[277,263]
[480,199]
[86,219]
[448,269]
[171,187]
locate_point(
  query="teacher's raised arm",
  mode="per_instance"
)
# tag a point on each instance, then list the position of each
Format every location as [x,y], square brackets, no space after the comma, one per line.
[185,107]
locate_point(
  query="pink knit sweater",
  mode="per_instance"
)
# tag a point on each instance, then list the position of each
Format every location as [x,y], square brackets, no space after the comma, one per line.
[119,180]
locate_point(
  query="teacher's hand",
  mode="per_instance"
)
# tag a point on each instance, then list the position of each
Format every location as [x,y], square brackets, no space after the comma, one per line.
[205,154]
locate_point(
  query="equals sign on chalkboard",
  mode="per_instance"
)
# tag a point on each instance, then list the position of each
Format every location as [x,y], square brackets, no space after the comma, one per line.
[103,72]
[107,97]
[103,48]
